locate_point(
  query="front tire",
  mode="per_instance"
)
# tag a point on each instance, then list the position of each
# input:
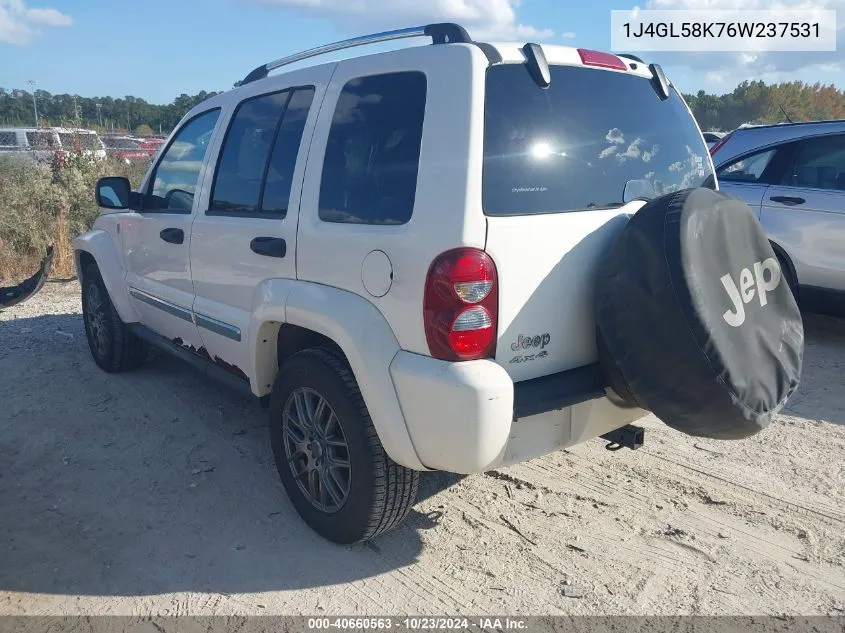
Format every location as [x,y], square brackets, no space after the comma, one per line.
[114,347]
[330,460]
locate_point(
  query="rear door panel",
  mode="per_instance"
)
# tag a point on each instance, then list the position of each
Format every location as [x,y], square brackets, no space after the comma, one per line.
[564,169]
[806,213]
[811,232]
[751,194]
[227,272]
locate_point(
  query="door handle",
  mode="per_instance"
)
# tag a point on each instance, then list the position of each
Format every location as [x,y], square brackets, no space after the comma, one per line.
[269,246]
[174,236]
[788,200]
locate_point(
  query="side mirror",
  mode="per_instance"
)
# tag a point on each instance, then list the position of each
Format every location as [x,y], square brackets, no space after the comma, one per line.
[114,192]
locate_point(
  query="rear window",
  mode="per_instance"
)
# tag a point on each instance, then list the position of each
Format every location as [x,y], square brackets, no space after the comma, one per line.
[593,139]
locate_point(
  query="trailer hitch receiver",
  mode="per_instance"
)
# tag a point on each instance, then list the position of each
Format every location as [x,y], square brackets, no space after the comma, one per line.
[629,436]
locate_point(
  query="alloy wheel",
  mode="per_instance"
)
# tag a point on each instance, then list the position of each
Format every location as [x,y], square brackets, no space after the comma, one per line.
[316,449]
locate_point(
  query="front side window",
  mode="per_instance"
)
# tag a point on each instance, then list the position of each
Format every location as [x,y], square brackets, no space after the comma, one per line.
[747,169]
[820,164]
[255,171]
[593,139]
[174,181]
[373,150]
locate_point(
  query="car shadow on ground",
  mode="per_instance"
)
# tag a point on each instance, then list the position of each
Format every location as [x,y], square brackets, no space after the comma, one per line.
[161,480]
[821,396]
[153,481]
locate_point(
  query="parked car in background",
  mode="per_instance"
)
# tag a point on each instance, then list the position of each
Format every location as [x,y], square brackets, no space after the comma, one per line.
[131,148]
[42,143]
[151,146]
[125,148]
[28,142]
[80,141]
[711,138]
[793,176]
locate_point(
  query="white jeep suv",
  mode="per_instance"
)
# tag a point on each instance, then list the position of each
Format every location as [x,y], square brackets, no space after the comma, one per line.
[418,260]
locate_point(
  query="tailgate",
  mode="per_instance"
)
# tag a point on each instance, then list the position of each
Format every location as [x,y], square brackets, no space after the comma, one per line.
[564,167]
[546,266]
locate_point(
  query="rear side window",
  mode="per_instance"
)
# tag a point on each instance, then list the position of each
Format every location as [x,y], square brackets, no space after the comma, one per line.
[40,140]
[820,163]
[373,150]
[259,155]
[593,139]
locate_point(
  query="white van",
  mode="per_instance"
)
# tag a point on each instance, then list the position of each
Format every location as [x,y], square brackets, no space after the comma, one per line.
[41,143]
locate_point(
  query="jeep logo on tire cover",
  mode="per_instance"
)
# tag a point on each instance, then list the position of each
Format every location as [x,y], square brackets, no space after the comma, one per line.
[749,285]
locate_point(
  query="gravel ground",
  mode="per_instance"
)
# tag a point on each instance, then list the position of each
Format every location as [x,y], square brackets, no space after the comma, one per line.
[154,493]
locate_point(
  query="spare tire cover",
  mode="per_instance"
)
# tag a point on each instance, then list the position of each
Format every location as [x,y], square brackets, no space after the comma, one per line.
[695,322]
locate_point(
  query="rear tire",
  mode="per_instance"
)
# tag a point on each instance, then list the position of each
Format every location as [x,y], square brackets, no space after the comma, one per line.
[114,347]
[328,455]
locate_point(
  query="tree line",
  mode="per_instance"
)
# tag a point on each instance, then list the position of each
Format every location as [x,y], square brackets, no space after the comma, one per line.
[129,114]
[750,102]
[756,102]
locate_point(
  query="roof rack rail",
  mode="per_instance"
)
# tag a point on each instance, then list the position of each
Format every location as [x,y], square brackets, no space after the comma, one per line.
[441,33]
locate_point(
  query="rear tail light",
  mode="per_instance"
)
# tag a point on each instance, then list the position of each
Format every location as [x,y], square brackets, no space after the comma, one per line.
[460,305]
[719,144]
[603,60]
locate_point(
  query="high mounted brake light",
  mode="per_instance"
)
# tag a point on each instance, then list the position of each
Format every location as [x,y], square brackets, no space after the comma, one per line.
[602,60]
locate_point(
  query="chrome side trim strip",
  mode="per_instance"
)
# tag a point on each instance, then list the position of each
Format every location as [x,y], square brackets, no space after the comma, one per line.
[200,320]
[170,308]
[218,327]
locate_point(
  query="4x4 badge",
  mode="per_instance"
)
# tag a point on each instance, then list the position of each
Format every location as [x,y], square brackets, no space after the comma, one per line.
[527,342]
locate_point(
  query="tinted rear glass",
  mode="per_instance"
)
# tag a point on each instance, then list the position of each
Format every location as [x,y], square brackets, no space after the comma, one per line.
[593,139]
[373,151]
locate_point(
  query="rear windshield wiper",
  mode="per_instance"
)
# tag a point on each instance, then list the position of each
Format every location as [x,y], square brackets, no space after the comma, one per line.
[609,205]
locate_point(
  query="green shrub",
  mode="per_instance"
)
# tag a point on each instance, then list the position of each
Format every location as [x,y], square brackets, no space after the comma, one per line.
[43,204]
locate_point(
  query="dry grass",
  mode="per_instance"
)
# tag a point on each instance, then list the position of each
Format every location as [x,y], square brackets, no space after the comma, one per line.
[49,204]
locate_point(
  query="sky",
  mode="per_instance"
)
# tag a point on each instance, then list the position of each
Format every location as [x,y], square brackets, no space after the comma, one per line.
[158,49]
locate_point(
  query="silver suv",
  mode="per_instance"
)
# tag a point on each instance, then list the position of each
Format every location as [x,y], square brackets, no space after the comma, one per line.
[793,176]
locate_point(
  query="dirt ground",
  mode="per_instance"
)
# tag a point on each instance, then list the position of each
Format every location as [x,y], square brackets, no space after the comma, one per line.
[154,493]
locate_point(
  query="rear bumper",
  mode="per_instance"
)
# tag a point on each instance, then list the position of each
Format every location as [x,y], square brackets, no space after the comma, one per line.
[557,391]
[470,417]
